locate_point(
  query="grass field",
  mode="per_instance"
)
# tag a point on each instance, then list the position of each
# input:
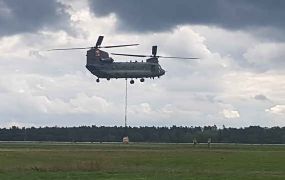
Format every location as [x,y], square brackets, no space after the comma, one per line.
[140,161]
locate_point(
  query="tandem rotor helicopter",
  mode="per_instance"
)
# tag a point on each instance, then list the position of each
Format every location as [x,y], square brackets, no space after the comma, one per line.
[101,65]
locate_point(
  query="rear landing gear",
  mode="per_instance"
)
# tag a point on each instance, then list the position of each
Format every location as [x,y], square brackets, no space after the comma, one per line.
[132,81]
[142,80]
[97,80]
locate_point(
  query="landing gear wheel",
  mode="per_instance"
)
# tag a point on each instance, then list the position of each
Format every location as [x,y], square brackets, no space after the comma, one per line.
[142,80]
[97,80]
[132,81]
[108,79]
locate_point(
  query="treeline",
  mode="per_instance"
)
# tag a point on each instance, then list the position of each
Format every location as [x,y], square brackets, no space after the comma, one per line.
[174,134]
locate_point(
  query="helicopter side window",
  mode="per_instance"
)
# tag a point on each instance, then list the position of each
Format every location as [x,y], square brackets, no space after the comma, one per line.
[97,53]
[110,60]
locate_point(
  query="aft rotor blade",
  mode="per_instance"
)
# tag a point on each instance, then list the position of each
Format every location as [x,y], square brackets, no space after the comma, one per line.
[154,50]
[133,55]
[63,49]
[170,57]
[99,41]
[124,45]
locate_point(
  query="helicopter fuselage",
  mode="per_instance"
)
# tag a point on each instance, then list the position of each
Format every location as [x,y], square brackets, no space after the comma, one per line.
[101,65]
[108,69]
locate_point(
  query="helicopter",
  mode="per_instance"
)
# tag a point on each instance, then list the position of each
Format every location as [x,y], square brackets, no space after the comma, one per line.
[100,64]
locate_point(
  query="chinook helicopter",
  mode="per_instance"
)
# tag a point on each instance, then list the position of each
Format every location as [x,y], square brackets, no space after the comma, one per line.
[100,64]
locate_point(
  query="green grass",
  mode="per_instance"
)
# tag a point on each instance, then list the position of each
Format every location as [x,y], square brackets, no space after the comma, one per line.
[140,161]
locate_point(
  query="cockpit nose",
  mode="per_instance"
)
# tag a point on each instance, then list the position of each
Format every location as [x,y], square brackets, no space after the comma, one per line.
[162,72]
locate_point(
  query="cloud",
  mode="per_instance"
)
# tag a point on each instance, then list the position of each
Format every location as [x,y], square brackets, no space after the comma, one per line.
[56,89]
[260,97]
[278,109]
[161,15]
[190,92]
[230,114]
[265,56]
[20,16]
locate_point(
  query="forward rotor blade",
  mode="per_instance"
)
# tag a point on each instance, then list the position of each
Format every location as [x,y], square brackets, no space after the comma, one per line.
[169,57]
[124,45]
[133,55]
[63,49]
[99,41]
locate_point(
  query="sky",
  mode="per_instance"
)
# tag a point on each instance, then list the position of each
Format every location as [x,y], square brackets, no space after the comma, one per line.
[237,82]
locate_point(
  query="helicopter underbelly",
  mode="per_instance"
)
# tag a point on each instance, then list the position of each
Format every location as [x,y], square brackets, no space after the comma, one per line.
[129,74]
[123,72]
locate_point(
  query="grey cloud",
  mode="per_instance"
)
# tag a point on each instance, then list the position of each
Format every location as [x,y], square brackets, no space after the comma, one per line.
[260,97]
[159,15]
[18,16]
